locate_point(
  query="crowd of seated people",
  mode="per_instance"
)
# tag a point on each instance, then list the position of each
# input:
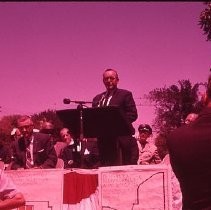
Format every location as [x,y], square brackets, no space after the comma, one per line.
[74,153]
[44,148]
[33,148]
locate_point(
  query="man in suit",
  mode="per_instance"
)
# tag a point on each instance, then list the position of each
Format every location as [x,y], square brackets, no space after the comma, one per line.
[75,155]
[33,149]
[90,153]
[190,156]
[70,154]
[114,96]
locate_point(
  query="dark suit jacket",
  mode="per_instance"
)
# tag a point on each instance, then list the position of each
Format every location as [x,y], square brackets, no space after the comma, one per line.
[44,153]
[190,155]
[90,154]
[70,153]
[107,150]
[5,155]
[124,100]
[87,158]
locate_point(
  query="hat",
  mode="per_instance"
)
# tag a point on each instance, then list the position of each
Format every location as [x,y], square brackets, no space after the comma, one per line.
[145,127]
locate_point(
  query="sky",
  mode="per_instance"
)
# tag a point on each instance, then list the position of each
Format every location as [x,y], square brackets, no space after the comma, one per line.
[55,50]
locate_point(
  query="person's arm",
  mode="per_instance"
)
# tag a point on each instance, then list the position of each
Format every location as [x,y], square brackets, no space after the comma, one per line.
[63,156]
[14,202]
[130,108]
[157,158]
[10,197]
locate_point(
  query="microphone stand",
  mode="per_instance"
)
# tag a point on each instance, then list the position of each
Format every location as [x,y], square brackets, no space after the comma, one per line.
[81,136]
[81,105]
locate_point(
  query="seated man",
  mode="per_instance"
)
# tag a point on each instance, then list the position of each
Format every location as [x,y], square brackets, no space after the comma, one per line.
[148,153]
[79,155]
[70,154]
[10,197]
[33,149]
[90,154]
[48,128]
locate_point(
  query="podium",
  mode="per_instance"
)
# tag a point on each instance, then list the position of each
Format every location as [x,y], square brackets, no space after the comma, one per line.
[97,122]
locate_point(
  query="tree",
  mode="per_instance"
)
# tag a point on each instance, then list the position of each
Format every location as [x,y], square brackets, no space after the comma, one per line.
[205,20]
[7,123]
[173,104]
[160,142]
[49,116]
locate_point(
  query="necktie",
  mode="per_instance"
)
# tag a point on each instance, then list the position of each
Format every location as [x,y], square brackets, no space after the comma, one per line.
[101,101]
[29,160]
[105,101]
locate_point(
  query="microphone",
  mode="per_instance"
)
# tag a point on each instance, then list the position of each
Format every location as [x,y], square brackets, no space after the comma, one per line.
[66,101]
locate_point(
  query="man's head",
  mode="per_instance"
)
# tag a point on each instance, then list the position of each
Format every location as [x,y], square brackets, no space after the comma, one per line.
[110,79]
[47,127]
[66,135]
[145,131]
[25,125]
[190,118]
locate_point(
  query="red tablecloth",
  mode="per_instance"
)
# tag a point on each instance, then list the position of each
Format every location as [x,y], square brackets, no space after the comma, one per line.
[78,186]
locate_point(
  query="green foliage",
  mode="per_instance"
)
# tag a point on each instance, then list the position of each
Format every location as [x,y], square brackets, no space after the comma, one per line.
[205,21]
[173,104]
[48,116]
[7,123]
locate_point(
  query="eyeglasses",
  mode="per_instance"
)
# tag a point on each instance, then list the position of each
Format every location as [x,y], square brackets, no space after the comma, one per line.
[25,127]
[109,78]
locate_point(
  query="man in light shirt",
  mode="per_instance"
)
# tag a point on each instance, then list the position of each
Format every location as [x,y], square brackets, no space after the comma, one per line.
[148,153]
